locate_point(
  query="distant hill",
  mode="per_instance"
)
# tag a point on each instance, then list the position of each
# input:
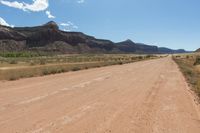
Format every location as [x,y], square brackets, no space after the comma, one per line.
[129,46]
[198,50]
[49,38]
[170,51]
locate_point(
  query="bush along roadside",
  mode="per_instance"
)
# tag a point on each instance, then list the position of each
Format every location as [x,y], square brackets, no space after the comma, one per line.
[192,75]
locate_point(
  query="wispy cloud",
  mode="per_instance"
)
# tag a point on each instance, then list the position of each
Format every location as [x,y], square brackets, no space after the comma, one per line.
[36,6]
[49,15]
[80,1]
[3,22]
[68,26]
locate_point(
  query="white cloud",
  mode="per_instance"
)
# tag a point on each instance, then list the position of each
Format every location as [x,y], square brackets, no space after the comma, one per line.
[36,6]
[49,15]
[69,26]
[81,1]
[3,22]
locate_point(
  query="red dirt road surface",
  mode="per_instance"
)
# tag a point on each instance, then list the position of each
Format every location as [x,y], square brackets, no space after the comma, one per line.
[143,97]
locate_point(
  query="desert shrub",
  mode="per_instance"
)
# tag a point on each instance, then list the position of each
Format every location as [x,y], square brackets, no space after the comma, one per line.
[53,71]
[120,63]
[140,57]
[60,70]
[189,72]
[13,78]
[148,56]
[198,88]
[32,63]
[45,72]
[13,62]
[132,58]
[48,71]
[42,61]
[197,61]
[76,68]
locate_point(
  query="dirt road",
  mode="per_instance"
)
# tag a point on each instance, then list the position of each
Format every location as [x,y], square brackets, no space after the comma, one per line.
[142,97]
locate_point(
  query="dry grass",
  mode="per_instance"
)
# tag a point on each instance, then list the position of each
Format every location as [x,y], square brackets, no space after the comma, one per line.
[187,64]
[40,66]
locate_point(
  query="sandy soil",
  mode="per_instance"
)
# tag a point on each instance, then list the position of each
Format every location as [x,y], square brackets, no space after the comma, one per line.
[142,97]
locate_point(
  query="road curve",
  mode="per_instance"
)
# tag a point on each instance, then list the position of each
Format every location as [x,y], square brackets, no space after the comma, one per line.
[143,97]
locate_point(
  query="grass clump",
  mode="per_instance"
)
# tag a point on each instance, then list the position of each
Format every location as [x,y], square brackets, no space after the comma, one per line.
[13,62]
[76,69]
[42,61]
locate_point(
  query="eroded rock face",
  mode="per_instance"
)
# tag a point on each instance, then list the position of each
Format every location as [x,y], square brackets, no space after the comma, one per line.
[9,33]
[12,45]
[49,38]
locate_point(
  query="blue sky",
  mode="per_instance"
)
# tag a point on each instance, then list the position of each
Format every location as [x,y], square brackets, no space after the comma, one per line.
[169,23]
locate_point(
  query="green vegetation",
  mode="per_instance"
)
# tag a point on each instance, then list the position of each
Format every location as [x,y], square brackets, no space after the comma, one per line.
[13,68]
[189,65]
[19,54]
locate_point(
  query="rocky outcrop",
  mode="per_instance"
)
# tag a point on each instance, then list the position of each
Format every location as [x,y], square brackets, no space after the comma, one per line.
[49,38]
[198,50]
